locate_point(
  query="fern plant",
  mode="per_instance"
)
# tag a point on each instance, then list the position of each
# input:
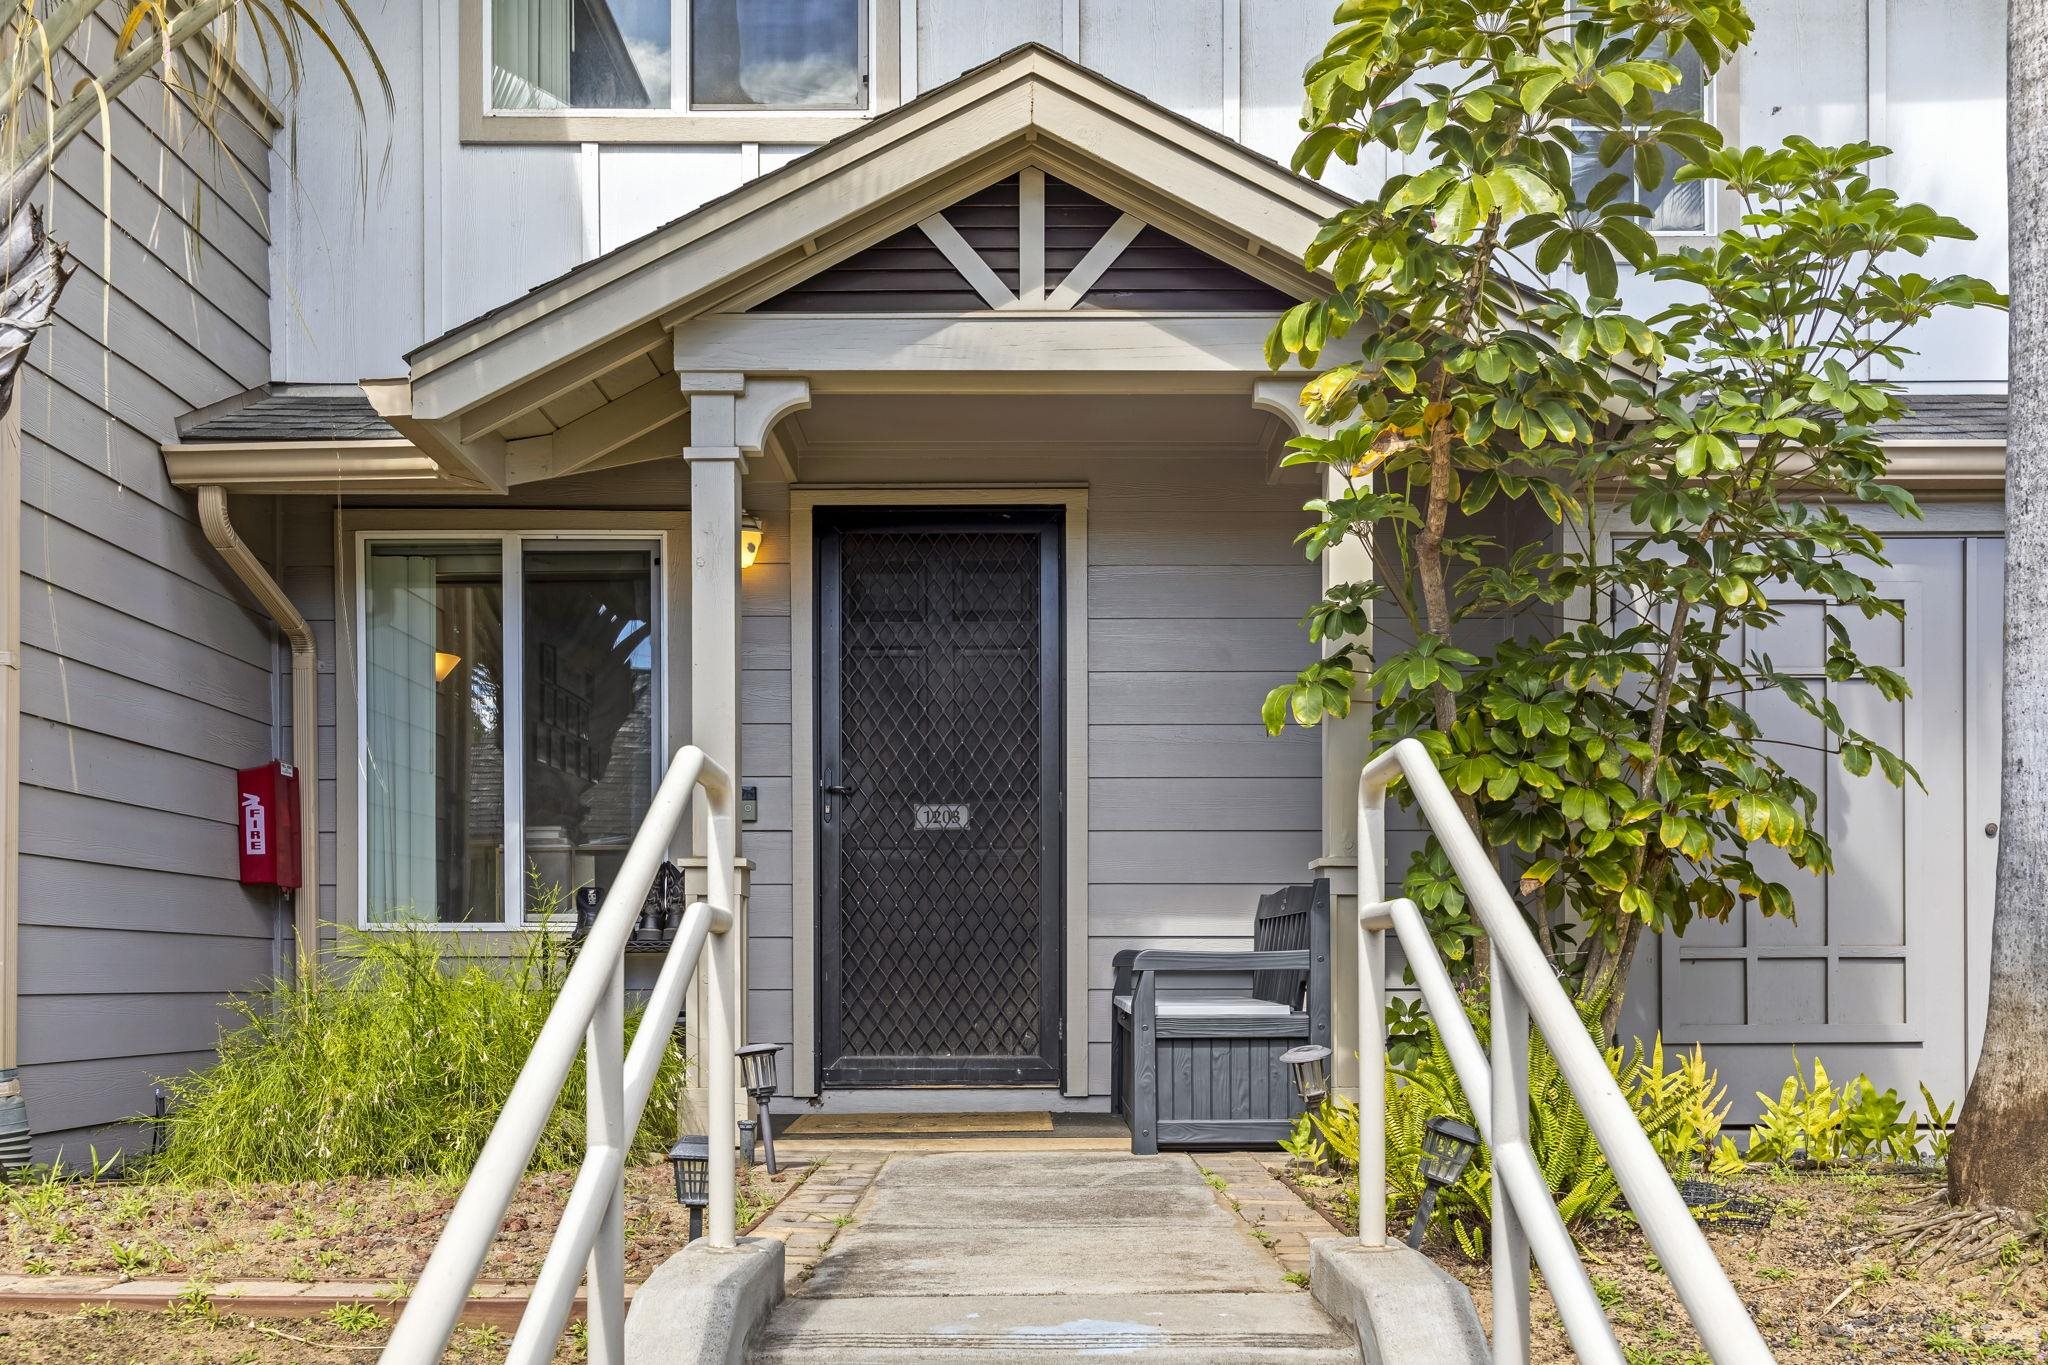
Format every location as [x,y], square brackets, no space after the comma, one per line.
[1680,1103]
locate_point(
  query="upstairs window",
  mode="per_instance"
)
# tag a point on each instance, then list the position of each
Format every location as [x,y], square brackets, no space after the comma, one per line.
[1676,209]
[678,55]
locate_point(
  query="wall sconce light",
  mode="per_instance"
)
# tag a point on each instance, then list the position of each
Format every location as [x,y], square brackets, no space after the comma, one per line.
[750,539]
[444,664]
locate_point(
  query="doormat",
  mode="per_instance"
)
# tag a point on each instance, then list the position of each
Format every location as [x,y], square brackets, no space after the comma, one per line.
[866,1125]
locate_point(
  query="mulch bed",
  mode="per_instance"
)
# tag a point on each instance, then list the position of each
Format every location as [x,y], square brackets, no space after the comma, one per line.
[1821,1279]
[356,1229]
[349,1248]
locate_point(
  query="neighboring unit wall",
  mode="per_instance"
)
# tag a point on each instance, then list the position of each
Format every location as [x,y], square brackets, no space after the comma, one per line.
[147,676]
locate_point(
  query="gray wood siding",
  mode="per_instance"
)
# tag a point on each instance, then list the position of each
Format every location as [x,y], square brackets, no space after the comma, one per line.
[1194,591]
[147,677]
[906,272]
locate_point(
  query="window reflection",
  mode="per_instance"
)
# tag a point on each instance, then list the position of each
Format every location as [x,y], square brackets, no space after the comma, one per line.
[434,743]
[776,54]
[589,703]
[580,54]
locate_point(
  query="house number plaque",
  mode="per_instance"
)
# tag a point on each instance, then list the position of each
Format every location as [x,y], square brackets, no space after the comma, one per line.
[941,817]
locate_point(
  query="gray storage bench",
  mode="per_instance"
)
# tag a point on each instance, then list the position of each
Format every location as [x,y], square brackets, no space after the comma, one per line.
[1202,1069]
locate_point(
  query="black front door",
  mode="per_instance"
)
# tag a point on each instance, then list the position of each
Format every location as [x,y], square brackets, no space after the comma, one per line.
[939,797]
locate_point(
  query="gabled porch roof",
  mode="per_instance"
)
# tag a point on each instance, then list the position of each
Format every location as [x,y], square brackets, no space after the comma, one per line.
[579,373]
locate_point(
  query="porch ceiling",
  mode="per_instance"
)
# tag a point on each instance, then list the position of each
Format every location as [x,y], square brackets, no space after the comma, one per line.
[841,434]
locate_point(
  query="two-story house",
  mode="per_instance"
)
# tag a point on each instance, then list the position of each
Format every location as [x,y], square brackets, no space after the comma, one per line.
[871,392]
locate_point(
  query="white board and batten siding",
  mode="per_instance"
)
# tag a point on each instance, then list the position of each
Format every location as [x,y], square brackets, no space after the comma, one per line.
[373,262]
[147,677]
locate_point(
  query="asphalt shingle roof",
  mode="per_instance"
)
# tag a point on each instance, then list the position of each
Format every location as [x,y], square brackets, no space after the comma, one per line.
[1949,417]
[295,417]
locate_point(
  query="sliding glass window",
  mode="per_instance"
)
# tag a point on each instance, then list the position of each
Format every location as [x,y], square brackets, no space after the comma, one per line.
[442,766]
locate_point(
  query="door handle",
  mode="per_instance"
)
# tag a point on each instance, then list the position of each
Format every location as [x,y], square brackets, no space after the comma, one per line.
[838,791]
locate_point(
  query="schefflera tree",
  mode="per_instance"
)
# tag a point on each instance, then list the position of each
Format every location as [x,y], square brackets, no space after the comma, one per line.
[1682,471]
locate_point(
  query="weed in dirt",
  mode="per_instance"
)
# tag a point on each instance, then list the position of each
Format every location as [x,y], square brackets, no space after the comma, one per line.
[1608,1292]
[97,1312]
[482,1337]
[194,1304]
[354,1318]
[38,1265]
[1949,1344]
[1776,1274]
[132,1258]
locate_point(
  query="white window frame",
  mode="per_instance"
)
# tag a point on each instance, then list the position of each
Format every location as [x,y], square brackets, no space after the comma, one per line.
[881,50]
[1710,106]
[512,576]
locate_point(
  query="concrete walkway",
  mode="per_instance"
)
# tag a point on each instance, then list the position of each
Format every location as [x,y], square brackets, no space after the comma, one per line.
[1061,1255]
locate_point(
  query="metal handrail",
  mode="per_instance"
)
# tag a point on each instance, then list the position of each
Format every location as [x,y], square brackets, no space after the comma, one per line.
[1523,987]
[592,1008]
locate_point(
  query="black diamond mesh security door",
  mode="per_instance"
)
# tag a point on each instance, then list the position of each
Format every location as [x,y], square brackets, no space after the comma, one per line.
[939,763]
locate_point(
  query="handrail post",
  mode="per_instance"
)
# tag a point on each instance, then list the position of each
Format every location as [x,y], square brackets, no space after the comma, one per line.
[605,1116]
[1533,995]
[1509,1065]
[1372,1028]
[721,1033]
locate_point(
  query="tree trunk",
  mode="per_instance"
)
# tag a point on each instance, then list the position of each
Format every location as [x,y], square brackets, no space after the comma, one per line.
[1998,1156]
[33,270]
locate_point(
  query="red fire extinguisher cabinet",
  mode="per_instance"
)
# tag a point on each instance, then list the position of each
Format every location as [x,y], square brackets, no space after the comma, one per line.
[269,824]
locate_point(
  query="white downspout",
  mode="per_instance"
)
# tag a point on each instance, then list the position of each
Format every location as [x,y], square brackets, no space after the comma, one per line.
[10,729]
[220,533]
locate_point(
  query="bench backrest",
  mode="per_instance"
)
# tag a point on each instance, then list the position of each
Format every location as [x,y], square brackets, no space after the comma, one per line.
[1291,918]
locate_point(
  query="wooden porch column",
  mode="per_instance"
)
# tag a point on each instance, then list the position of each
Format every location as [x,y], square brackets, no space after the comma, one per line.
[729,421]
[1346,746]
[716,466]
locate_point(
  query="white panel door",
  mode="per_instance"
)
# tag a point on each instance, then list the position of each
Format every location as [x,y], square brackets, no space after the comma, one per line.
[1871,975]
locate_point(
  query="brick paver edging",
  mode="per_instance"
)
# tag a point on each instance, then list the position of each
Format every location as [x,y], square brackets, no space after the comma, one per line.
[807,1220]
[1277,1216]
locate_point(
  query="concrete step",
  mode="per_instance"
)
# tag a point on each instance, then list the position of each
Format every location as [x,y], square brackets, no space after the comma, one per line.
[1284,1328]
